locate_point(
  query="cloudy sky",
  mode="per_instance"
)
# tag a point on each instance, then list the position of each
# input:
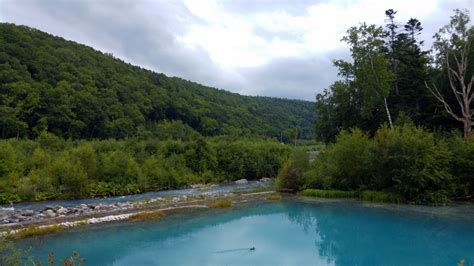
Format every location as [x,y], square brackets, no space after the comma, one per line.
[253,47]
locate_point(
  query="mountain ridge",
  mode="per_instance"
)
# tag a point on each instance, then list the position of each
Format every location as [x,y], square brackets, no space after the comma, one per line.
[72,90]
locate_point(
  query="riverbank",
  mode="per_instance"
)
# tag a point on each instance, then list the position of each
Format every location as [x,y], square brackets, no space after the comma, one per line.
[85,215]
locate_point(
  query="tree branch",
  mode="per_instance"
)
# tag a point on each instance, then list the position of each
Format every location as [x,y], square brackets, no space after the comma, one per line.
[440,98]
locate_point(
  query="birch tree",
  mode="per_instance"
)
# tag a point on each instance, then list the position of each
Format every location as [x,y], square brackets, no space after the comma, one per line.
[371,67]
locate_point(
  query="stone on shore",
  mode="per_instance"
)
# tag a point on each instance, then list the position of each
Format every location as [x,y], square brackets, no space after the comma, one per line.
[49,213]
[241,181]
[28,213]
[62,211]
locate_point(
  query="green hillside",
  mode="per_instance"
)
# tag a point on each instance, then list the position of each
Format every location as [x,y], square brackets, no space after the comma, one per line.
[74,91]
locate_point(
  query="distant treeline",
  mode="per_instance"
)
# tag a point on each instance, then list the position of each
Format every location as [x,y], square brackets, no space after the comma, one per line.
[74,91]
[52,168]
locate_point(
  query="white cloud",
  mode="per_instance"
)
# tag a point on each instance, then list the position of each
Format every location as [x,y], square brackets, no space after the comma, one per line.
[232,41]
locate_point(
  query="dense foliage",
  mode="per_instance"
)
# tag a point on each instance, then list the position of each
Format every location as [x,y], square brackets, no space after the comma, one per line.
[391,77]
[407,162]
[381,116]
[50,167]
[74,91]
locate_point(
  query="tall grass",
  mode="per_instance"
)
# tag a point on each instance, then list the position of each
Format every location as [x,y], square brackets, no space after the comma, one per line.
[366,195]
[320,193]
[223,203]
[382,197]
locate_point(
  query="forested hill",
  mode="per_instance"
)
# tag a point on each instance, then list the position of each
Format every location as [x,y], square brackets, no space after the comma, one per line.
[74,91]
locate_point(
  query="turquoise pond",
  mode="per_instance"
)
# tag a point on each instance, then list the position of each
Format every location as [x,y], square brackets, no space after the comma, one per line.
[283,233]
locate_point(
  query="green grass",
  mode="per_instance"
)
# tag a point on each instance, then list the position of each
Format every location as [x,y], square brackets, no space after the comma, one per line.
[146,216]
[274,197]
[366,195]
[320,193]
[380,196]
[224,203]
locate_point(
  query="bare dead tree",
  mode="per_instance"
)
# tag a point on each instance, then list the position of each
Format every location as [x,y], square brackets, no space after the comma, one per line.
[452,43]
[461,87]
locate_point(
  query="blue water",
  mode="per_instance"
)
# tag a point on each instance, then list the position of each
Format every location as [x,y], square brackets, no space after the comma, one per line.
[283,233]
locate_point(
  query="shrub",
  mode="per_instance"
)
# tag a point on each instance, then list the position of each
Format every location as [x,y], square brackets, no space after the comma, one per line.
[8,159]
[462,165]
[406,161]
[346,164]
[119,167]
[319,193]
[409,161]
[86,156]
[223,203]
[50,141]
[6,198]
[274,197]
[315,179]
[68,177]
[290,177]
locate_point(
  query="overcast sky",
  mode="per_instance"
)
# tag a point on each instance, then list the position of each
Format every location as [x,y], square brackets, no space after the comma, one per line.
[253,47]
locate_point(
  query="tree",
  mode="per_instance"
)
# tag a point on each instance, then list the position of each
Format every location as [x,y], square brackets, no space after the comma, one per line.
[392,34]
[337,108]
[452,42]
[411,96]
[413,27]
[371,66]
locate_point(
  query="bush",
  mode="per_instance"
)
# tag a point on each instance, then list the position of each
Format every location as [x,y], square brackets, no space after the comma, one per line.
[119,167]
[6,198]
[345,164]
[409,161]
[223,203]
[68,177]
[273,197]
[462,166]
[315,179]
[53,168]
[290,177]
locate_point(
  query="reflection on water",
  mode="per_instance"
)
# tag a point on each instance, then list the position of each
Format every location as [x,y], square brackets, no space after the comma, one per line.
[284,233]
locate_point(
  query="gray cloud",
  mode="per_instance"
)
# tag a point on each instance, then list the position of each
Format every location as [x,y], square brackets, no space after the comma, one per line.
[302,75]
[145,33]
[295,7]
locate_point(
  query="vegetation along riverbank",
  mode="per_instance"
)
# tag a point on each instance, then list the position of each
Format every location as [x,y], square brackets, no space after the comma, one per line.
[391,124]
